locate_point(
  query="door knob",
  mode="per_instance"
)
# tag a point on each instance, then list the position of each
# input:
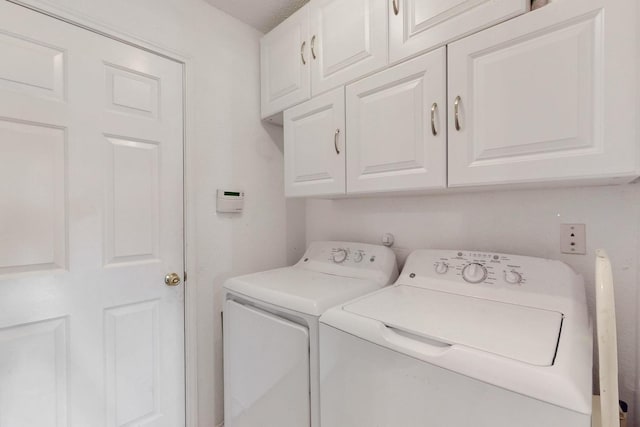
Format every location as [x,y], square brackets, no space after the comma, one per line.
[172,279]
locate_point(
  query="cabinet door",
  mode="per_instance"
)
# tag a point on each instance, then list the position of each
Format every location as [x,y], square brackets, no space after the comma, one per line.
[549,96]
[393,143]
[419,25]
[348,40]
[284,63]
[314,146]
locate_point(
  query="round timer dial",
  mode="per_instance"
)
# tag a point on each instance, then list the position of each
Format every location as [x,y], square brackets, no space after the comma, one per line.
[474,273]
[339,256]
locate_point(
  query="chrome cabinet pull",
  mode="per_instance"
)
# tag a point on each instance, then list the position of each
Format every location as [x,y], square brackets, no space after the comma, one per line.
[335,141]
[304,62]
[313,47]
[396,7]
[456,109]
[434,108]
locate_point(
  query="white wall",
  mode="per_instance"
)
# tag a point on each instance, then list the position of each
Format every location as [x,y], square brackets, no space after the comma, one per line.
[232,148]
[518,222]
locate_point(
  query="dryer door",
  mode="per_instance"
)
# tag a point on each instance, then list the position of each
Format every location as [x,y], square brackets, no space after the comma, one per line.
[266,369]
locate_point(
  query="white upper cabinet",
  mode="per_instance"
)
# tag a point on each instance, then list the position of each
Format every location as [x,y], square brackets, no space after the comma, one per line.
[396,124]
[348,40]
[547,98]
[284,64]
[551,96]
[416,26]
[314,146]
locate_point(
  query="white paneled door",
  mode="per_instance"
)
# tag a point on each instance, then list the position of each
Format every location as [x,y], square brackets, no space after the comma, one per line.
[91,200]
[348,41]
[396,122]
[544,97]
[314,147]
[417,26]
[284,60]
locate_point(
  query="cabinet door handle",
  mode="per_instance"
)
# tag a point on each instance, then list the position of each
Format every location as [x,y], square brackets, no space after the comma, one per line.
[313,47]
[335,141]
[304,62]
[434,109]
[456,109]
[396,7]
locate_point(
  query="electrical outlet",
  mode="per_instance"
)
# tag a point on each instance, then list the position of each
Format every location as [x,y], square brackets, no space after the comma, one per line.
[573,239]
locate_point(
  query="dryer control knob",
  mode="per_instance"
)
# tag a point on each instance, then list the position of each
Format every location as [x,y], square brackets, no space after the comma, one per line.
[357,257]
[339,256]
[442,267]
[474,273]
[512,277]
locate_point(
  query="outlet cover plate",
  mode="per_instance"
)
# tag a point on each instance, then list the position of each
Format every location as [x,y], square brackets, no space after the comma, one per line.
[573,239]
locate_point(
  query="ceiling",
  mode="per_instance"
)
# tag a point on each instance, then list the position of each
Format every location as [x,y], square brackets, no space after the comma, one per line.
[263,15]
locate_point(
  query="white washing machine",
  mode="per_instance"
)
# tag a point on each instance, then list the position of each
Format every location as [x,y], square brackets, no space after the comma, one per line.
[461,339]
[271,330]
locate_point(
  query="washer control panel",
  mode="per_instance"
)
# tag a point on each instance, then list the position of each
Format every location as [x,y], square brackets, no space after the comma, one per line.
[480,267]
[516,279]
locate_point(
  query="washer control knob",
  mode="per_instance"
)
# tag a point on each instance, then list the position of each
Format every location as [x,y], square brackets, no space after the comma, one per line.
[474,273]
[339,256]
[442,267]
[357,257]
[512,277]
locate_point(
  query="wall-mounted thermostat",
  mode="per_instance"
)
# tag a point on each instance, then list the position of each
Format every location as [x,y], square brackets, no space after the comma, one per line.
[230,201]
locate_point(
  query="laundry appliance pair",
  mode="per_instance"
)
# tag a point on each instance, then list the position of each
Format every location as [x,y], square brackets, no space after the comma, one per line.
[461,338]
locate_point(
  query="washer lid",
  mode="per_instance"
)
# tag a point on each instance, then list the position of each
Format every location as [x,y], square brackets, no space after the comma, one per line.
[523,333]
[301,290]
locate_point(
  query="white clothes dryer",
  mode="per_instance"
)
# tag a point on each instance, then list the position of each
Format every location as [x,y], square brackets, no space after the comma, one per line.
[461,339]
[271,330]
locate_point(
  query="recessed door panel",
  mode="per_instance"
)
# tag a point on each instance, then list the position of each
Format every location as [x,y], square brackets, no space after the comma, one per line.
[133,202]
[33,367]
[307,150]
[31,67]
[132,364]
[509,116]
[33,201]
[131,92]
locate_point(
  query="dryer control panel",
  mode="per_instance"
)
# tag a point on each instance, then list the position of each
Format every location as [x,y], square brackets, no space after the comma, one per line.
[351,259]
[348,254]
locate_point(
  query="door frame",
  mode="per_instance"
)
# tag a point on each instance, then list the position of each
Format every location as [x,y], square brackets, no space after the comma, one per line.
[73,17]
